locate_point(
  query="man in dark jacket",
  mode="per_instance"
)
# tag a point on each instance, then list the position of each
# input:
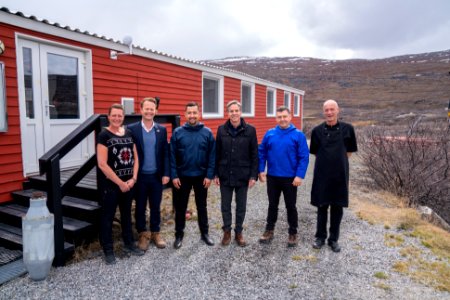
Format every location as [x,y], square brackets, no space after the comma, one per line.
[285,151]
[154,172]
[332,142]
[237,168]
[192,154]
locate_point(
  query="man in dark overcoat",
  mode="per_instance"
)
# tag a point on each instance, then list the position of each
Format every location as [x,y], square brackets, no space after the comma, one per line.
[236,168]
[332,142]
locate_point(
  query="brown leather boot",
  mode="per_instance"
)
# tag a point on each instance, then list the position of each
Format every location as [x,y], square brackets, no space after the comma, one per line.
[144,240]
[226,237]
[292,241]
[158,240]
[240,240]
[266,237]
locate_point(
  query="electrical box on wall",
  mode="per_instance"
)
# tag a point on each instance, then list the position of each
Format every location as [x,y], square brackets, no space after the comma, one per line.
[128,105]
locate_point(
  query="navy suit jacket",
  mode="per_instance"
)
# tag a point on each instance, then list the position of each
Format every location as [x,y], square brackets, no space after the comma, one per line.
[162,147]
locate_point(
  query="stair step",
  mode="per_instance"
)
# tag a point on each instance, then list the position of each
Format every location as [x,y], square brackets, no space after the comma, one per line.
[87,188]
[23,197]
[80,203]
[73,207]
[12,236]
[13,213]
[12,270]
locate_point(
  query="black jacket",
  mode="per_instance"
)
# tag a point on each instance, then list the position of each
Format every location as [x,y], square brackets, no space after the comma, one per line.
[236,154]
[162,147]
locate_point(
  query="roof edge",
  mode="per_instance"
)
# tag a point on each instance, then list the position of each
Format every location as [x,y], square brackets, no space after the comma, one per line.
[33,23]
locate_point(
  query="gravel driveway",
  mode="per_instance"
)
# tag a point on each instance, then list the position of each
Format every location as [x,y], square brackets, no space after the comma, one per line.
[257,271]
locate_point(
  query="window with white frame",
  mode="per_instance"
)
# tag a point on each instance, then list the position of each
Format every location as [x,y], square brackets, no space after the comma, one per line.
[212,103]
[271,102]
[287,100]
[296,105]
[248,99]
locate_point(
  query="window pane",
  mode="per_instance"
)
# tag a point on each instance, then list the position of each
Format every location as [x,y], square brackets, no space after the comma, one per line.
[286,100]
[246,99]
[63,86]
[28,79]
[210,96]
[296,106]
[3,114]
[270,103]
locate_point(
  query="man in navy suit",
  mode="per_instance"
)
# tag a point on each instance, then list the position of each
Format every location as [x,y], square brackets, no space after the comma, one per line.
[154,171]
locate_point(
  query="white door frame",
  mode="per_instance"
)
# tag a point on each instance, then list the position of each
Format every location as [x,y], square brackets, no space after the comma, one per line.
[30,166]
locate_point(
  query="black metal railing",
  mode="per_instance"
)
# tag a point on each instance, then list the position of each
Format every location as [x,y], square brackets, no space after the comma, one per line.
[49,164]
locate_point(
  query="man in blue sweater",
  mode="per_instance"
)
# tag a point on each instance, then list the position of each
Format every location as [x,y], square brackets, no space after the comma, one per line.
[286,153]
[192,155]
[154,171]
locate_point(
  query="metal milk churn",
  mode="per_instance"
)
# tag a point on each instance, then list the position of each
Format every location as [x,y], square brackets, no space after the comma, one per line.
[38,238]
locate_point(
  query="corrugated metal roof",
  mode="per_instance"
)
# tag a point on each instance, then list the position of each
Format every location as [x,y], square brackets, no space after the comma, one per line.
[94,35]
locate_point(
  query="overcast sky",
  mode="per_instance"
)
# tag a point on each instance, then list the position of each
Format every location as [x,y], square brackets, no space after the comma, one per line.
[209,29]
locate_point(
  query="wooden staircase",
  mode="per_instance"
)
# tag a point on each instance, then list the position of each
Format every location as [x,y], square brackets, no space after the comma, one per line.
[80,215]
[72,195]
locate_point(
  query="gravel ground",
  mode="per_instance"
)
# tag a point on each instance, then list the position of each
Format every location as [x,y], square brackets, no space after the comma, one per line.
[257,271]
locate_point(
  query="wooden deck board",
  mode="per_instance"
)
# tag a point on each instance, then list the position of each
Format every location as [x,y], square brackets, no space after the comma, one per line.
[89,181]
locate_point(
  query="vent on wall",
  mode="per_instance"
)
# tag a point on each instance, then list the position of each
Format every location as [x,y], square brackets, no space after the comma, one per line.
[128,105]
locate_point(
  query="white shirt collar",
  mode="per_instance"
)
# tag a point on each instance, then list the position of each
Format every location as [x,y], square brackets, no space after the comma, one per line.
[147,129]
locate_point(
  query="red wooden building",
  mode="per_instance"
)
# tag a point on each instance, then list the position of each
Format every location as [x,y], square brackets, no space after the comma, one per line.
[54,77]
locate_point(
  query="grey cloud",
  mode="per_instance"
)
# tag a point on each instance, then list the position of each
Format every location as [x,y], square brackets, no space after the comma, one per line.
[201,30]
[366,26]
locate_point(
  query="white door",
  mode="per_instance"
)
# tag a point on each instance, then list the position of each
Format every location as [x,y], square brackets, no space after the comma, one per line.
[52,101]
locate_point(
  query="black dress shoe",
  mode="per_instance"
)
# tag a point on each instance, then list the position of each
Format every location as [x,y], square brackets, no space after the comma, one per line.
[110,259]
[131,249]
[208,241]
[334,246]
[178,243]
[318,243]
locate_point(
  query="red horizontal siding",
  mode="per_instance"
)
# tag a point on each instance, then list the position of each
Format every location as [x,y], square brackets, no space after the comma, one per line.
[129,76]
[11,172]
[11,157]
[7,187]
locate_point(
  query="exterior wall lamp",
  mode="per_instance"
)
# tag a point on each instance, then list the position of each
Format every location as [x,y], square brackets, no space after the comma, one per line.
[127,40]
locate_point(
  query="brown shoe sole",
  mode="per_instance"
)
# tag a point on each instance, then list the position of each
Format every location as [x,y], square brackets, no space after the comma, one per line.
[160,245]
[241,244]
[143,245]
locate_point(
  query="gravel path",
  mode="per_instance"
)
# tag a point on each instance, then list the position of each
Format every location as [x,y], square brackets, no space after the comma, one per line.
[257,271]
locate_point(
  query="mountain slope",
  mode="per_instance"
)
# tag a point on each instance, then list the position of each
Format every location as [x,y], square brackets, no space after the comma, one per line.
[379,91]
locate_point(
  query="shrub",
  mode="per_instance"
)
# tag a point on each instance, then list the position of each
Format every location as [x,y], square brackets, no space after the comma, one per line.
[411,162]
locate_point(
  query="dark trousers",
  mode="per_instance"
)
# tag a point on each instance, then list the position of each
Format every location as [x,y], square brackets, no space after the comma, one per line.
[226,193]
[111,198]
[276,185]
[336,213]
[149,186]
[201,193]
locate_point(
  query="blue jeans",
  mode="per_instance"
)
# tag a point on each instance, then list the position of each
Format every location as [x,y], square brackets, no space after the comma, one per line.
[148,186]
[226,193]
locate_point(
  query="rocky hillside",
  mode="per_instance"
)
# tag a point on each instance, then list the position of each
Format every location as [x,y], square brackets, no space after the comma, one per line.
[379,91]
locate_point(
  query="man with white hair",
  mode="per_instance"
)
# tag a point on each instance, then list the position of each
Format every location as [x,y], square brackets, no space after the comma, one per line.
[332,142]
